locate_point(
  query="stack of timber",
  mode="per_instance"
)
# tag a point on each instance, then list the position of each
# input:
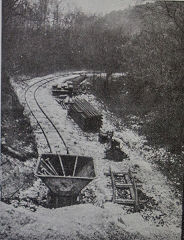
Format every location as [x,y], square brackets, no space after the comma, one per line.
[59,92]
[63,89]
[85,115]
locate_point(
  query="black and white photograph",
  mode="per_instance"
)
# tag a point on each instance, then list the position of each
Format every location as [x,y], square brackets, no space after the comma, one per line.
[92,120]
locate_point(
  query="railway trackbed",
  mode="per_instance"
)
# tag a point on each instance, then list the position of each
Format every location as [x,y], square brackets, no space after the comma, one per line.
[53,140]
[55,164]
[110,186]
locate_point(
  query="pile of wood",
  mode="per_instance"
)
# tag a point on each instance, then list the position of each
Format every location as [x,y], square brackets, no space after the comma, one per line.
[11,152]
[63,89]
[85,115]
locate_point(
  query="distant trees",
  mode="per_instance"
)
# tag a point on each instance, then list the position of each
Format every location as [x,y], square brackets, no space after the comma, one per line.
[154,60]
[108,52]
[39,38]
[43,38]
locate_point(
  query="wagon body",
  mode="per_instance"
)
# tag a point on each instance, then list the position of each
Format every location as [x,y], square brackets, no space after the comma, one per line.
[65,175]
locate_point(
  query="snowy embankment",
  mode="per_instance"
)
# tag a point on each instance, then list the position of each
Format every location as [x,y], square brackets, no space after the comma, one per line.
[160,221]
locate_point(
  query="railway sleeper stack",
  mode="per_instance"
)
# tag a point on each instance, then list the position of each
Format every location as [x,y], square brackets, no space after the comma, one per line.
[62,89]
[85,115]
[126,182]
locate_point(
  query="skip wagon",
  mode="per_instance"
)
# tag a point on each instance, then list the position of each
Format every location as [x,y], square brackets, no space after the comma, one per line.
[65,176]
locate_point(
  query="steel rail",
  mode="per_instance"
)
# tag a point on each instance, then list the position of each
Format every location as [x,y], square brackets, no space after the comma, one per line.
[41,109]
[48,144]
[49,79]
[48,118]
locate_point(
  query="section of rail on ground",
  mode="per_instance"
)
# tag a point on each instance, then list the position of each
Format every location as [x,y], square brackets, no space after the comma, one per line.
[125,189]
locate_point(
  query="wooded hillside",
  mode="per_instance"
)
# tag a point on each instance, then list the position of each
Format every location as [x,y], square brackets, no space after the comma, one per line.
[145,42]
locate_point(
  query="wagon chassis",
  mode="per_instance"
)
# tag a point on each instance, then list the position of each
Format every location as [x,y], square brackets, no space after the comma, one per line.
[121,181]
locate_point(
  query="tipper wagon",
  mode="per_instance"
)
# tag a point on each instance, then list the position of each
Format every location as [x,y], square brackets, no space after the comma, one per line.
[65,175]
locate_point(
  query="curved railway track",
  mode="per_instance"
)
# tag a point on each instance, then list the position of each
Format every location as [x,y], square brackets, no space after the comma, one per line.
[42,83]
[31,111]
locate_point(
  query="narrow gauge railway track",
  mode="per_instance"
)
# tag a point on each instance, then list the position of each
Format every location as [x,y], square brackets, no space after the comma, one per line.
[46,80]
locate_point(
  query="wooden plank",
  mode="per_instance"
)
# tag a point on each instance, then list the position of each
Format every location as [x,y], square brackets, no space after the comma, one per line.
[127,178]
[118,174]
[12,152]
[82,115]
[48,167]
[76,108]
[59,92]
[47,160]
[135,192]
[113,185]
[125,172]
[79,105]
[45,171]
[75,166]
[125,201]
[61,163]
[126,185]
[88,107]
[83,107]
[115,174]
[85,110]
[128,201]
[82,111]
[136,196]
[92,109]
[77,117]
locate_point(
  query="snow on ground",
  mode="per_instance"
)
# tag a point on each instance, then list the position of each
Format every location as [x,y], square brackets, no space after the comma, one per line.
[154,183]
[167,209]
[71,223]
